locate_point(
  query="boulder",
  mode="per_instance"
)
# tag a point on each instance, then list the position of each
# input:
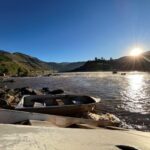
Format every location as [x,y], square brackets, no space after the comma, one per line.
[45,90]
[2,93]
[8,80]
[10,99]
[58,91]
[11,92]
[3,103]
[27,91]
[105,119]
[37,92]
[17,98]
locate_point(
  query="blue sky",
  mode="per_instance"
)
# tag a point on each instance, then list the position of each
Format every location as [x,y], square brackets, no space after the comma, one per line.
[74,30]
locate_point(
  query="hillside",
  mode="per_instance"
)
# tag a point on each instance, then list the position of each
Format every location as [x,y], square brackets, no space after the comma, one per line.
[63,67]
[127,63]
[13,63]
[22,64]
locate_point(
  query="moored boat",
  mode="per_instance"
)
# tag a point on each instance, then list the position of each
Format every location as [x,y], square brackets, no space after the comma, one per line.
[65,105]
[114,72]
[123,73]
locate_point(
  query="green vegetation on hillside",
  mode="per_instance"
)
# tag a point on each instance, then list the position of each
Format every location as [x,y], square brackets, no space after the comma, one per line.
[23,65]
[20,64]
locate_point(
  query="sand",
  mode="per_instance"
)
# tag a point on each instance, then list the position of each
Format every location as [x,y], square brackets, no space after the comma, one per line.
[17,137]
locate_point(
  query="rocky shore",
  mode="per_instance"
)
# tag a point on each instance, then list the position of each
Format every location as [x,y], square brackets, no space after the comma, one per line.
[11,97]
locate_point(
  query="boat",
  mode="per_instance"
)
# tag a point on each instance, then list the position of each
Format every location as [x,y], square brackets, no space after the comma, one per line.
[123,73]
[114,72]
[64,105]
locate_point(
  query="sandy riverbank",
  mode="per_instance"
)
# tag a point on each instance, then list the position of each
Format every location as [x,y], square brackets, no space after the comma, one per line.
[43,138]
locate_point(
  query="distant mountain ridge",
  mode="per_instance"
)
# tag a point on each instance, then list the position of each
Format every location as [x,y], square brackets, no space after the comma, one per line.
[12,63]
[126,63]
[65,66]
[22,64]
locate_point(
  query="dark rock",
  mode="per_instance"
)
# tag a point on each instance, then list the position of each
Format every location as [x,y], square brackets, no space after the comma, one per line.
[6,90]
[2,93]
[17,90]
[3,103]
[45,90]
[27,91]
[58,91]
[8,80]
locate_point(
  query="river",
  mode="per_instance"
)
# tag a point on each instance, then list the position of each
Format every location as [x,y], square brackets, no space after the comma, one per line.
[127,96]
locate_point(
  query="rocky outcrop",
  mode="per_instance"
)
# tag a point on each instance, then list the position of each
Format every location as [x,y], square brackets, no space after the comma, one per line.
[11,97]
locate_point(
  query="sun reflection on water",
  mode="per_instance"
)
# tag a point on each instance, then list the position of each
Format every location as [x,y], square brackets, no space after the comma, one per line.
[135,82]
[135,93]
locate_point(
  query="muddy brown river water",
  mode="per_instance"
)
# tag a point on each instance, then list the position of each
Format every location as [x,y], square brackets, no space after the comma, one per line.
[127,96]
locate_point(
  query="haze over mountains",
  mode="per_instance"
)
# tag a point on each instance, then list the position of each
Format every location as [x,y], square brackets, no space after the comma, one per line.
[14,63]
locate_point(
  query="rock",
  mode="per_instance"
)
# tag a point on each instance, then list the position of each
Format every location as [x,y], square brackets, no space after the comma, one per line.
[3,103]
[105,119]
[17,90]
[58,91]
[27,91]
[11,92]
[2,93]
[37,92]
[8,80]
[17,99]
[10,99]
[45,90]
[6,90]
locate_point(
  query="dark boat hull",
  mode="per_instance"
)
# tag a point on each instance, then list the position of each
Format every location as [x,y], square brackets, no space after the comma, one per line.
[71,110]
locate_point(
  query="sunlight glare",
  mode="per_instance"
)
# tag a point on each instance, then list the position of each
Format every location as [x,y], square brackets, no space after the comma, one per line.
[136,93]
[135,82]
[136,52]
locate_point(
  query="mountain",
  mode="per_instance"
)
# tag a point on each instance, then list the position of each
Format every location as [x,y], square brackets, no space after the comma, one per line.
[126,63]
[22,64]
[63,67]
[13,62]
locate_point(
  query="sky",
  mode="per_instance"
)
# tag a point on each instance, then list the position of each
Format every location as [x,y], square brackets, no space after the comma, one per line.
[74,30]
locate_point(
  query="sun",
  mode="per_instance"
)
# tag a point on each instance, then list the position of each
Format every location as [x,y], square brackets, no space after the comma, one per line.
[136,52]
